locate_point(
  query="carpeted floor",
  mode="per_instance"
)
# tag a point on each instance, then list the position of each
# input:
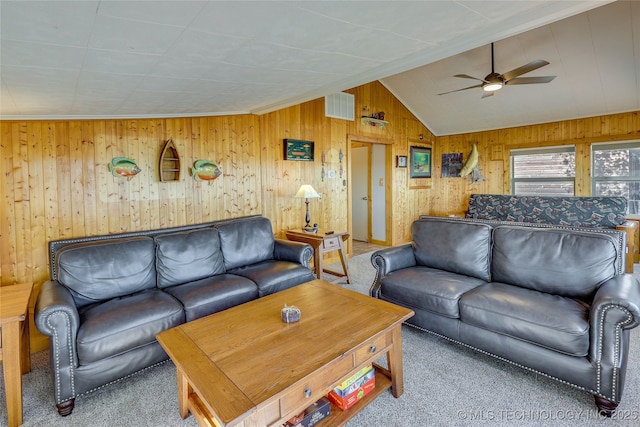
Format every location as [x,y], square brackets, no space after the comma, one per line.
[445,385]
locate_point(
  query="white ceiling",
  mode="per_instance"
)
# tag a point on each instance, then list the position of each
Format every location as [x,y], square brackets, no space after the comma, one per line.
[102,59]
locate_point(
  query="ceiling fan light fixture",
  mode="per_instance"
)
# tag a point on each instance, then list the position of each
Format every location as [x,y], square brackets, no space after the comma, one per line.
[495,81]
[492,86]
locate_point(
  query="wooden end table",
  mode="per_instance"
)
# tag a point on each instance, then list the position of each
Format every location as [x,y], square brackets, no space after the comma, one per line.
[323,243]
[15,352]
[245,367]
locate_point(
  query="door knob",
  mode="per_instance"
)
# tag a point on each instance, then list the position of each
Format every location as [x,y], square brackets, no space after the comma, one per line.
[365,198]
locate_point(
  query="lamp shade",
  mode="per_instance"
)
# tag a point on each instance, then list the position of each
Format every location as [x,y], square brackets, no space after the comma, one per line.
[307,192]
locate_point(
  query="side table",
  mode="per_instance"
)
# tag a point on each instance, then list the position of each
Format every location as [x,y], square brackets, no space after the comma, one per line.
[323,243]
[16,357]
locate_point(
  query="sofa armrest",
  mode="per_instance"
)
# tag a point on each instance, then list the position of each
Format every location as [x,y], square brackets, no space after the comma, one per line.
[630,228]
[615,310]
[622,293]
[387,260]
[56,315]
[298,252]
[395,258]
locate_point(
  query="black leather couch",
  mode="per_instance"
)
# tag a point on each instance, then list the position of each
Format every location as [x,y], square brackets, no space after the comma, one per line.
[553,300]
[109,296]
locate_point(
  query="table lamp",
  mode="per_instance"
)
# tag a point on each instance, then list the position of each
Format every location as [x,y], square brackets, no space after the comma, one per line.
[307,192]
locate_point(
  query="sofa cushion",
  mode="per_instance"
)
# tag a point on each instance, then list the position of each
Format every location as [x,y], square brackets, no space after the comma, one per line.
[428,288]
[551,321]
[557,261]
[274,276]
[98,271]
[212,294]
[187,256]
[246,242]
[124,323]
[451,245]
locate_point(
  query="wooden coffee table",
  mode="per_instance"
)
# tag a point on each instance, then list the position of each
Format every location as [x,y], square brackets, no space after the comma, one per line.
[245,367]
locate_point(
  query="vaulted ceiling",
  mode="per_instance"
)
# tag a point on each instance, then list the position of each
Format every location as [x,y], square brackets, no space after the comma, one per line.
[101,59]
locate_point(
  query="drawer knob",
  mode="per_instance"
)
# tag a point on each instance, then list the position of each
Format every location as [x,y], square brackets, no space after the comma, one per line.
[307,393]
[372,348]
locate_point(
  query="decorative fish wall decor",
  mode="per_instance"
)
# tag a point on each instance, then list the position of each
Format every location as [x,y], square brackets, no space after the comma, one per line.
[471,162]
[205,170]
[123,167]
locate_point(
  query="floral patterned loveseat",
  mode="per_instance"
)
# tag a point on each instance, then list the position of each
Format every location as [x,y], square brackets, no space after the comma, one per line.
[590,212]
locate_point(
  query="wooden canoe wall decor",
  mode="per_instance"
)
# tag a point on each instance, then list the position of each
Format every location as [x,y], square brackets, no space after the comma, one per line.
[169,163]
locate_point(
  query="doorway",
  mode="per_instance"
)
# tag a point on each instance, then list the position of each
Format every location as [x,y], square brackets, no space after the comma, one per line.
[360,194]
[370,192]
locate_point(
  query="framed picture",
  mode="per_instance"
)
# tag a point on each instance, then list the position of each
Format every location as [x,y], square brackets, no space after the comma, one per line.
[297,149]
[451,165]
[401,161]
[420,162]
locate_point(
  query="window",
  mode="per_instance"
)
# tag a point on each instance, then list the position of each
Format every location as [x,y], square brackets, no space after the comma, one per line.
[549,171]
[616,172]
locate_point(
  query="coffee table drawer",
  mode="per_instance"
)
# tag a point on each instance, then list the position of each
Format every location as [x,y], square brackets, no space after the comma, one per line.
[315,386]
[372,348]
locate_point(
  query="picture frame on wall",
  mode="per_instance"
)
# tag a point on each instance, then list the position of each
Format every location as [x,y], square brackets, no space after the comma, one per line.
[401,161]
[451,165]
[297,149]
[420,162]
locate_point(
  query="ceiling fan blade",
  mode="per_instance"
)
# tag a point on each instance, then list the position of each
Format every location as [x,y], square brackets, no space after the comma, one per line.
[533,65]
[466,76]
[458,90]
[529,80]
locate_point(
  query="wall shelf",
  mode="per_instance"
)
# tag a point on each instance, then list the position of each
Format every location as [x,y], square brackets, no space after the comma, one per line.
[373,122]
[169,163]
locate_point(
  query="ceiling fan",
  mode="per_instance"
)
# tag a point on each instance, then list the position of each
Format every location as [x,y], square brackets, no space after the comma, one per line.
[494,81]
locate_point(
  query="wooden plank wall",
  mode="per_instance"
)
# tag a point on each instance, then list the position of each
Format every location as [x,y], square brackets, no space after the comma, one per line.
[308,122]
[452,195]
[56,183]
[54,180]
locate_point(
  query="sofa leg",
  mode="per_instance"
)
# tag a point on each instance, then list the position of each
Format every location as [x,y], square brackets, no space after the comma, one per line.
[606,407]
[65,408]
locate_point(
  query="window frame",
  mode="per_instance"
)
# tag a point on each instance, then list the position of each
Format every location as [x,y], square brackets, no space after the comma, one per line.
[603,146]
[540,150]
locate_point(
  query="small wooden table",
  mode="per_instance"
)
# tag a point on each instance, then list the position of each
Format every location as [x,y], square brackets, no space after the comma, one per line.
[15,351]
[323,243]
[245,367]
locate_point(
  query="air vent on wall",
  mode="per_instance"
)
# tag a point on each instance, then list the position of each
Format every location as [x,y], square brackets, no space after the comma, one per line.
[340,106]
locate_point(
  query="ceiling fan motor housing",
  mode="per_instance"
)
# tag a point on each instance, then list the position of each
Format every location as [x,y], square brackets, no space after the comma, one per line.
[493,82]
[494,78]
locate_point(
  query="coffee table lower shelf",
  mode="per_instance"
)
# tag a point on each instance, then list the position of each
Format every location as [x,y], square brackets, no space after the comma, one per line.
[337,416]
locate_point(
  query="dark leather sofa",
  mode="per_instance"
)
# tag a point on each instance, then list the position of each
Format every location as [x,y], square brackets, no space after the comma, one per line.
[109,296]
[555,301]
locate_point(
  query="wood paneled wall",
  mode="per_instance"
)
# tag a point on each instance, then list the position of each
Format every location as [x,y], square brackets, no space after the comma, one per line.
[55,183]
[452,194]
[331,136]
